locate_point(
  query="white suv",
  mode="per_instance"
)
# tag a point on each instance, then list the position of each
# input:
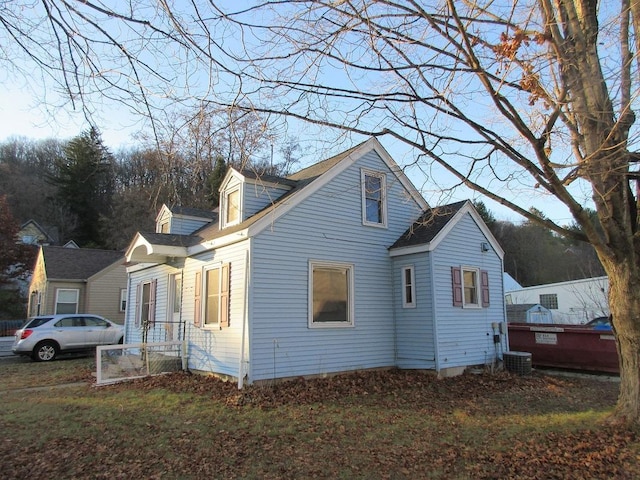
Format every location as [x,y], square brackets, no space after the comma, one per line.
[44,337]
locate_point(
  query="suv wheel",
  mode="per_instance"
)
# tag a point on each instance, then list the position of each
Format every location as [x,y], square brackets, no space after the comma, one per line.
[45,351]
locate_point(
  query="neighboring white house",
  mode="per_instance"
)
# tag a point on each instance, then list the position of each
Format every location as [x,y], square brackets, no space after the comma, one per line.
[574,302]
[341,266]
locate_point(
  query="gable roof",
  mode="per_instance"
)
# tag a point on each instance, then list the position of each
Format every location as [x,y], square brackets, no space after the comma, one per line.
[517,312]
[427,227]
[180,211]
[254,177]
[434,224]
[193,212]
[76,263]
[304,183]
[48,238]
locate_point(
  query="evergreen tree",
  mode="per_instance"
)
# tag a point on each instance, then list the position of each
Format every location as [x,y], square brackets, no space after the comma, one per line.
[215,180]
[85,179]
[485,213]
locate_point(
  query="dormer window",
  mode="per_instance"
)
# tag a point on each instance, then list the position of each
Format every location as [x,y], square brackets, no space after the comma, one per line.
[164,227]
[231,207]
[374,202]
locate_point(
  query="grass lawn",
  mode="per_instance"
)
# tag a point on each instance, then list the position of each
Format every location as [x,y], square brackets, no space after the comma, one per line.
[373,425]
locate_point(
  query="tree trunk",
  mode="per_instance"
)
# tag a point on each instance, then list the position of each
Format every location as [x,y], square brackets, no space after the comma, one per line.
[624,301]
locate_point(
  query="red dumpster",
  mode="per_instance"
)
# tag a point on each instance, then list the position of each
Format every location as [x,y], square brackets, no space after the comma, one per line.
[565,346]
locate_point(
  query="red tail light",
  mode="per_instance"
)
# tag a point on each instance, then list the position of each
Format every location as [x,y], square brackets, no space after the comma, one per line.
[26,333]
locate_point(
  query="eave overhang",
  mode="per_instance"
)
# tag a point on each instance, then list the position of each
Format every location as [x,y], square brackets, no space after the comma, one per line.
[142,250]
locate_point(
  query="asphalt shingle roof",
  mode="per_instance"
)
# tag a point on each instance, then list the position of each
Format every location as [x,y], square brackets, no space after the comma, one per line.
[170,239]
[77,263]
[517,312]
[193,212]
[430,223]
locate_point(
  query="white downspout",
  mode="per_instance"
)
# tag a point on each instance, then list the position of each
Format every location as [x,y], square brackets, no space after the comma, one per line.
[434,314]
[127,310]
[244,317]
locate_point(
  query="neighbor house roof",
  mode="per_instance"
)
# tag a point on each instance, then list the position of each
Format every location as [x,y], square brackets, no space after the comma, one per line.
[48,237]
[77,263]
[517,312]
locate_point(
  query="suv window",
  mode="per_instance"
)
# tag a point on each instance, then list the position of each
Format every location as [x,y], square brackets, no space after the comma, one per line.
[94,322]
[36,322]
[69,322]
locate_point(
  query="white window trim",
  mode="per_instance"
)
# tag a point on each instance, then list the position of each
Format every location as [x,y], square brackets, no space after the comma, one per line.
[141,304]
[174,281]
[68,290]
[350,295]
[406,304]
[476,270]
[205,297]
[383,185]
[223,206]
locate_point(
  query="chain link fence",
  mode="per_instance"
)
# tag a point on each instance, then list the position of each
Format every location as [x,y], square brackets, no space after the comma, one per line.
[116,363]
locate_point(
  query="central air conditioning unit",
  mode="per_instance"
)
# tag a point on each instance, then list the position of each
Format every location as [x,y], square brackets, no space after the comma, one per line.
[517,362]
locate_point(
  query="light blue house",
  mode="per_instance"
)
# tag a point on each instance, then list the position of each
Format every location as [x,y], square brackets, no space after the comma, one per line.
[341,266]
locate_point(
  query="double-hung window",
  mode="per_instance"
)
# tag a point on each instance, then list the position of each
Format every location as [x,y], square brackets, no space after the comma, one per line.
[215,296]
[470,287]
[67,300]
[123,299]
[330,294]
[146,304]
[231,207]
[374,206]
[408,287]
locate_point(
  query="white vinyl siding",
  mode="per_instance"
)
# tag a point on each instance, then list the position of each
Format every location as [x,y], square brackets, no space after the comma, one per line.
[464,335]
[158,276]
[256,196]
[327,226]
[216,349]
[415,326]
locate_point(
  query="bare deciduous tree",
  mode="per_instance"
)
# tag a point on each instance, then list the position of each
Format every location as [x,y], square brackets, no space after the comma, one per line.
[508,97]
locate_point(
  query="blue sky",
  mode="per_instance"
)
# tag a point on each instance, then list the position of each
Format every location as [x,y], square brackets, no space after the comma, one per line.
[23,114]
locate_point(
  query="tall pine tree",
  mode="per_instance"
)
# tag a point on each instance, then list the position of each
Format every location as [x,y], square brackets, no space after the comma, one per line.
[85,182]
